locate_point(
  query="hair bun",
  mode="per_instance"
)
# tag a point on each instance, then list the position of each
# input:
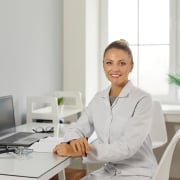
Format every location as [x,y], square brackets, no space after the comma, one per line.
[124,42]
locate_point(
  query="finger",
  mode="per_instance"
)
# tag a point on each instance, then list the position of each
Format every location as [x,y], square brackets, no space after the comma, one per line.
[60,153]
[56,148]
[86,145]
[78,146]
[74,146]
[84,149]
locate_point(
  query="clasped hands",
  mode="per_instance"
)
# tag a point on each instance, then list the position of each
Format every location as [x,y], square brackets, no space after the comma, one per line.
[76,148]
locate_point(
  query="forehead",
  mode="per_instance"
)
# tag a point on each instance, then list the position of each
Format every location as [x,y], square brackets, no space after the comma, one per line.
[114,53]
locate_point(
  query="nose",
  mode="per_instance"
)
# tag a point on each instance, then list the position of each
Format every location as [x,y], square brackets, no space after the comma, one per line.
[115,67]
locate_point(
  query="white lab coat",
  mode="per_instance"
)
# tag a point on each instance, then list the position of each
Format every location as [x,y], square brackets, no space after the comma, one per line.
[122,130]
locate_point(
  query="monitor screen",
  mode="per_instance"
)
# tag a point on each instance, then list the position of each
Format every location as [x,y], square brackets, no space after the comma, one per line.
[7,120]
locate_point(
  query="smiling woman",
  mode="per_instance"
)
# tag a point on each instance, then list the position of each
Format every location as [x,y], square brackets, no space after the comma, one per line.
[121,117]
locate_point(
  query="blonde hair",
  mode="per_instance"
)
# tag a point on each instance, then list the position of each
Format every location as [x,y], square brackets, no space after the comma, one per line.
[120,44]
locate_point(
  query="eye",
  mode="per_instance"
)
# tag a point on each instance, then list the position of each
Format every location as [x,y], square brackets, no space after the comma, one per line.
[122,63]
[108,62]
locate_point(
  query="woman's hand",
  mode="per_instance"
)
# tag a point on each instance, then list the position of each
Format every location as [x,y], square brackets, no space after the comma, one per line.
[80,145]
[65,149]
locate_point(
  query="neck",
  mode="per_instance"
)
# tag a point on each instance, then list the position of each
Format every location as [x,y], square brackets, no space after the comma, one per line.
[116,90]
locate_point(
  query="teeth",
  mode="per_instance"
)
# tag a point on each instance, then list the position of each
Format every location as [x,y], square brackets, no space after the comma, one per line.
[115,75]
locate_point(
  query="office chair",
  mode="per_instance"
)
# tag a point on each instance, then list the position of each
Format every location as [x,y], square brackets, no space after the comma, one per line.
[164,166]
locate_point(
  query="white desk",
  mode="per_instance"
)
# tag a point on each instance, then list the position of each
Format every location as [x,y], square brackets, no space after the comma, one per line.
[172,113]
[31,166]
[171,109]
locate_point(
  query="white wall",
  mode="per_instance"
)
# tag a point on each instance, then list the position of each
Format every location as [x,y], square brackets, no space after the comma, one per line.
[30,49]
[81,46]
[74,45]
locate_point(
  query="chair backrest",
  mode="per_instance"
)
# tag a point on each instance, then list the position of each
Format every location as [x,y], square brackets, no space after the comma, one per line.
[36,102]
[70,98]
[46,107]
[164,166]
[158,129]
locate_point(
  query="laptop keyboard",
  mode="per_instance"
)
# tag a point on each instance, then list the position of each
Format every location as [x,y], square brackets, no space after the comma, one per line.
[16,137]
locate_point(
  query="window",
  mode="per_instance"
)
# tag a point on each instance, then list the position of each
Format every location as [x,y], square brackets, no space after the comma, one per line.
[145,24]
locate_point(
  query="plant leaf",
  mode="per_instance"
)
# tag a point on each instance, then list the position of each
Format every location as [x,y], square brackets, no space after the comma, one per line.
[59,100]
[174,79]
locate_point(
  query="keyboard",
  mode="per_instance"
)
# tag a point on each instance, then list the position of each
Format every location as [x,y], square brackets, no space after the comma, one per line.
[15,137]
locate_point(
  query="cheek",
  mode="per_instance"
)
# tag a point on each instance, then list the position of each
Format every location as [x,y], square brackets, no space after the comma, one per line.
[106,69]
[127,71]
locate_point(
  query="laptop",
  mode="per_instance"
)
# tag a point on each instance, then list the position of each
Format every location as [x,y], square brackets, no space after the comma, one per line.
[8,134]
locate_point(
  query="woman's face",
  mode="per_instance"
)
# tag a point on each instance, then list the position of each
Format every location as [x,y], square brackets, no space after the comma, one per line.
[117,65]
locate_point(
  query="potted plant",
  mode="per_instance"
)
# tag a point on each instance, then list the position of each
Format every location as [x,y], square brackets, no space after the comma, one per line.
[174,79]
[60,104]
[60,101]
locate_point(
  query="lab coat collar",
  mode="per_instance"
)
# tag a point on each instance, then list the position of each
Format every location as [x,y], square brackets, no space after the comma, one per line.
[124,93]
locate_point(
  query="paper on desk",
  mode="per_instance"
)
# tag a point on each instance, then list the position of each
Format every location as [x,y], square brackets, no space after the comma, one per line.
[46,144]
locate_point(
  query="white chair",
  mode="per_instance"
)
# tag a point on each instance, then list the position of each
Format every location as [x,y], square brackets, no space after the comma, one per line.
[70,98]
[164,166]
[46,107]
[42,107]
[158,131]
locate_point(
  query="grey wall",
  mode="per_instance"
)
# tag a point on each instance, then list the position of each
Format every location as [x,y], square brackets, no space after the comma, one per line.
[30,49]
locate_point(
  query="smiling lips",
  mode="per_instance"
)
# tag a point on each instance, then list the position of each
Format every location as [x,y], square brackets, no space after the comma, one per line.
[115,75]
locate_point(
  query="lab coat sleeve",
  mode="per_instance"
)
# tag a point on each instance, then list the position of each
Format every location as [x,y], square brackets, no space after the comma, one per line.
[82,128]
[135,133]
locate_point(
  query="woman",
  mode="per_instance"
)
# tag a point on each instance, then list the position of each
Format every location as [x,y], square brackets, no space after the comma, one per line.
[121,116]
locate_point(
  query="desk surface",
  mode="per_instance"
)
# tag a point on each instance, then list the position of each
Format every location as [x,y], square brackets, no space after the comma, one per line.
[171,109]
[31,165]
[172,113]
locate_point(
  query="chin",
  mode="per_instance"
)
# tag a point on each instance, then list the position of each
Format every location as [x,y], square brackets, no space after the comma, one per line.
[116,84]
[119,84]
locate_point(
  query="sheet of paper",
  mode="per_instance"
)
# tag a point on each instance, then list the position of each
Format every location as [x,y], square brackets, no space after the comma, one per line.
[46,144]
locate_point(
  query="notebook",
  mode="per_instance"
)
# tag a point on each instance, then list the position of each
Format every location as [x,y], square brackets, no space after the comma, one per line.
[8,134]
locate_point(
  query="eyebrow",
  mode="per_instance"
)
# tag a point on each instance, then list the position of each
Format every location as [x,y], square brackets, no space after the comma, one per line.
[113,60]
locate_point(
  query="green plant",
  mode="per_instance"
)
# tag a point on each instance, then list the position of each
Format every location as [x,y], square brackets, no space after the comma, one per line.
[174,79]
[59,100]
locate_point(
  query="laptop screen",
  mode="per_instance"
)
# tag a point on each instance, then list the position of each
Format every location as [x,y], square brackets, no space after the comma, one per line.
[7,120]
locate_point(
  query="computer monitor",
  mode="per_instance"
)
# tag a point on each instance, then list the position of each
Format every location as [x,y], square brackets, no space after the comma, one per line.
[7,119]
